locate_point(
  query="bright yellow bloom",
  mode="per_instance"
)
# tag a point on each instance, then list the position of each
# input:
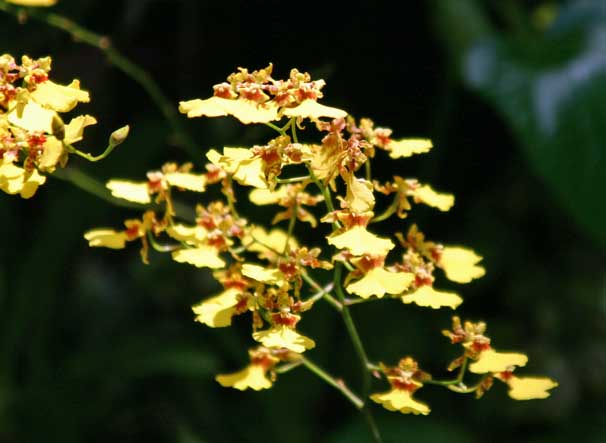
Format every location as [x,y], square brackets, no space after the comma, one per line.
[428,296]
[106,238]
[247,169]
[15,180]
[282,336]
[408,147]
[244,110]
[378,281]
[253,377]
[400,400]
[58,97]
[200,257]
[359,241]
[493,361]
[427,195]
[313,110]
[460,264]
[33,2]
[529,388]
[185,180]
[218,311]
[137,192]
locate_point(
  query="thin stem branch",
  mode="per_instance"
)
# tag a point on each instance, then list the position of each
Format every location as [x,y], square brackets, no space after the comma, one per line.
[326,296]
[335,383]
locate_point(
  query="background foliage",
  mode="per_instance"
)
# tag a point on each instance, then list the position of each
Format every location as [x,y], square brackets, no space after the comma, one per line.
[95,346]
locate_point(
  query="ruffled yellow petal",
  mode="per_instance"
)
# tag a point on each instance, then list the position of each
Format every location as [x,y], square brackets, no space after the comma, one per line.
[314,110]
[191,182]
[53,150]
[201,257]
[493,361]
[247,169]
[137,192]
[190,234]
[400,400]
[58,97]
[13,181]
[253,377]
[428,296]
[75,128]
[359,241]
[408,147]
[244,110]
[33,2]
[106,238]
[217,311]
[281,336]
[434,199]
[359,195]
[259,273]
[33,118]
[267,244]
[460,264]
[267,197]
[530,388]
[378,282]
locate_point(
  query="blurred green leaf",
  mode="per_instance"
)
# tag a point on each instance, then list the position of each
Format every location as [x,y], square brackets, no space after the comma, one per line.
[552,91]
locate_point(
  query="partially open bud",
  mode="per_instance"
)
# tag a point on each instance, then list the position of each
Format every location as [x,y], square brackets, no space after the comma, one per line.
[118,136]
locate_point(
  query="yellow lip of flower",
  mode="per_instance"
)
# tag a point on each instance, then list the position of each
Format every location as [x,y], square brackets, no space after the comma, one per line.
[217,311]
[460,264]
[493,361]
[190,234]
[137,192]
[106,238]
[201,257]
[359,241]
[32,117]
[400,400]
[427,195]
[428,296]
[268,244]
[246,169]
[263,275]
[244,110]
[313,110]
[13,181]
[253,376]
[530,388]
[188,181]
[281,336]
[58,97]
[408,147]
[379,281]
[33,2]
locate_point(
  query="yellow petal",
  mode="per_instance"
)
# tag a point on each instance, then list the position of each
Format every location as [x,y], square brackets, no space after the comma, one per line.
[359,195]
[267,244]
[33,118]
[284,337]
[251,173]
[75,128]
[12,180]
[202,257]
[400,400]
[460,264]
[408,147]
[244,110]
[106,238]
[32,2]
[359,241]
[432,198]
[53,150]
[191,182]
[428,296]
[217,311]
[267,197]
[259,273]
[58,97]
[378,281]
[253,376]
[314,110]
[191,234]
[530,388]
[137,192]
[493,361]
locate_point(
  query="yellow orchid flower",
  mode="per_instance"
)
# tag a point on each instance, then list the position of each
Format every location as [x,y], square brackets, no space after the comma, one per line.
[426,295]
[493,361]
[15,180]
[247,169]
[58,97]
[200,257]
[529,388]
[359,241]
[262,274]
[379,281]
[282,336]
[253,376]
[106,238]
[246,111]
[137,192]
[460,264]
[189,234]
[313,110]
[408,147]
[218,311]
[359,197]
[400,400]
[427,195]
[33,2]
[268,245]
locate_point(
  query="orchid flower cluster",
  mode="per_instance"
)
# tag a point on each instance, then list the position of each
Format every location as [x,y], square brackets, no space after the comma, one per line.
[271,279]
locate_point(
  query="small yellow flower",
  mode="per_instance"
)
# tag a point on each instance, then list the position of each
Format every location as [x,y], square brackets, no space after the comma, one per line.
[106,238]
[379,281]
[313,110]
[247,169]
[244,110]
[218,311]
[283,336]
[268,245]
[493,361]
[359,241]
[254,376]
[359,197]
[426,295]
[427,195]
[32,117]
[201,257]
[400,400]
[58,97]
[262,274]
[460,264]
[33,2]
[189,234]
[15,180]
[137,192]
[408,147]
[529,388]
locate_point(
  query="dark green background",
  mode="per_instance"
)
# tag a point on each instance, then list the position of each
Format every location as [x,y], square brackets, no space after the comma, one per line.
[95,346]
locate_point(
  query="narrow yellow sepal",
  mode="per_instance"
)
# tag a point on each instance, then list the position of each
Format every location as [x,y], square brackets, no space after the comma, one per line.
[408,147]
[359,241]
[281,336]
[313,110]
[58,97]
[244,110]
[427,195]
[427,296]
[106,238]
[217,311]
[400,400]
[530,388]
[493,361]
[378,282]
[201,257]
[137,192]
[460,264]
[191,182]
[252,376]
